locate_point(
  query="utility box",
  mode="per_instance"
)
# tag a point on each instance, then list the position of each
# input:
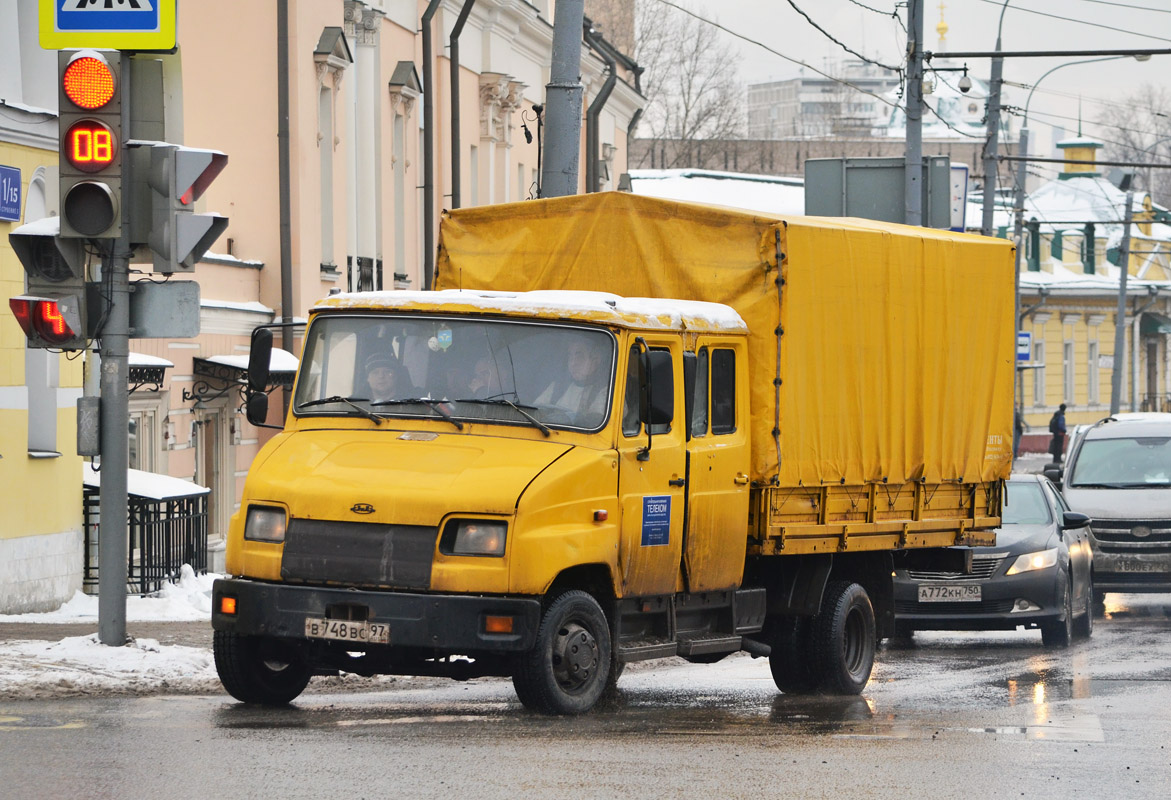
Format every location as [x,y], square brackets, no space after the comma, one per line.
[875,188]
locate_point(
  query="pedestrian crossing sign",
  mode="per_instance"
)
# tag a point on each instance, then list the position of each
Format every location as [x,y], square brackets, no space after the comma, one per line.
[108,24]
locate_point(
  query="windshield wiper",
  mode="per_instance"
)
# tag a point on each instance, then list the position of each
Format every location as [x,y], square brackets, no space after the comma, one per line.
[434,405]
[500,400]
[352,402]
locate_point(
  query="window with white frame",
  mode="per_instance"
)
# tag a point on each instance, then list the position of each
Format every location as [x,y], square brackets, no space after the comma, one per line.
[42,377]
[325,148]
[1092,384]
[1039,373]
[1067,371]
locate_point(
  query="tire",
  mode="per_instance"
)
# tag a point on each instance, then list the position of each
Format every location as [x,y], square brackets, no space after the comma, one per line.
[1083,626]
[258,670]
[789,660]
[568,668]
[1099,604]
[843,634]
[1057,633]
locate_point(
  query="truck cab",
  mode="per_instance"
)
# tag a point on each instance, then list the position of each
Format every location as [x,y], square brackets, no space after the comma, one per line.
[484,483]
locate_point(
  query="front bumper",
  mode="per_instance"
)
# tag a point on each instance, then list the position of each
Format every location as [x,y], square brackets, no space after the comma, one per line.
[994,611]
[427,623]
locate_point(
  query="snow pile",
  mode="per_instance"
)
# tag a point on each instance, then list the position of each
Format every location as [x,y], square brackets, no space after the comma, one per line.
[187,600]
[81,665]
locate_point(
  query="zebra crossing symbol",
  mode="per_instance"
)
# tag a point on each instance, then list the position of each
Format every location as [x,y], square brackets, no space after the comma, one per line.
[108,24]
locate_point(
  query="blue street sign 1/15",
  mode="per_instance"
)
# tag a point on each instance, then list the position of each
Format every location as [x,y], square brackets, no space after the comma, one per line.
[9,194]
[1024,346]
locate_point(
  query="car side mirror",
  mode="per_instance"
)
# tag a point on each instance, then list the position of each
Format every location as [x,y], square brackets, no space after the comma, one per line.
[1074,519]
[259,359]
[1055,473]
[256,409]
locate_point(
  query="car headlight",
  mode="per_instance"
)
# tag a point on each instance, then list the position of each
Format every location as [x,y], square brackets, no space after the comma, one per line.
[473,537]
[1028,562]
[265,524]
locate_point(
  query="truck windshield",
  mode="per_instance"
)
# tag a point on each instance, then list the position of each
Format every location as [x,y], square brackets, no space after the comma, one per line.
[1123,463]
[457,369]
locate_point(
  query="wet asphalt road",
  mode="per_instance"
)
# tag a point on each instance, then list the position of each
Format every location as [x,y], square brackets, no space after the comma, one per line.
[951,715]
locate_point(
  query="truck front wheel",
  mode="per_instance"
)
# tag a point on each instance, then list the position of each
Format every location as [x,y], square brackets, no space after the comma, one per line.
[567,670]
[843,639]
[258,670]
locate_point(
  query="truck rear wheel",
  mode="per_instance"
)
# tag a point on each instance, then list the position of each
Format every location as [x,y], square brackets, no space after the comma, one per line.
[567,670]
[843,634]
[259,670]
[790,656]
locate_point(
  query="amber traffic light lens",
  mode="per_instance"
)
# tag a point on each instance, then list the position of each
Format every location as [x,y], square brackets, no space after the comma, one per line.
[88,82]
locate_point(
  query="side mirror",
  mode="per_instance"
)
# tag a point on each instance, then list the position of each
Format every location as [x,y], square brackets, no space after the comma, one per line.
[257,408]
[656,399]
[1074,519]
[259,356]
[1053,472]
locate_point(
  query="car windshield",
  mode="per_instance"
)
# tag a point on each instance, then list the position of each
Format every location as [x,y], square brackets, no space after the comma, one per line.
[457,369]
[1025,504]
[1123,463]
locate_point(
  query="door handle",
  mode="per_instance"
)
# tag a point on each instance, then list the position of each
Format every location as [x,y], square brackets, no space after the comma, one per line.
[741,479]
[676,482]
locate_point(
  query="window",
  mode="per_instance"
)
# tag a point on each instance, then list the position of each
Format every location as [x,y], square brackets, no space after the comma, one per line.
[723,391]
[630,404]
[1039,373]
[1067,371]
[325,151]
[41,371]
[699,394]
[1092,385]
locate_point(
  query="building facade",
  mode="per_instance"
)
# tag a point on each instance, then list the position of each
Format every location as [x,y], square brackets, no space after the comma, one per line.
[352,214]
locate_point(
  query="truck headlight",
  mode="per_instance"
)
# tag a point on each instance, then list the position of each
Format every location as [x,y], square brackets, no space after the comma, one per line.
[265,524]
[473,537]
[1028,562]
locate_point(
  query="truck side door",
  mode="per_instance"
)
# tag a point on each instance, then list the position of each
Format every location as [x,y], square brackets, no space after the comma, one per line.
[651,490]
[716,534]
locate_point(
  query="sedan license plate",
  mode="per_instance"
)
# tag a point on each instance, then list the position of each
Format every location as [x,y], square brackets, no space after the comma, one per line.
[942,593]
[344,630]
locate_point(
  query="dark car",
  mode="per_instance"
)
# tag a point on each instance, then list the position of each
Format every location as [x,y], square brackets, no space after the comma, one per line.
[1038,575]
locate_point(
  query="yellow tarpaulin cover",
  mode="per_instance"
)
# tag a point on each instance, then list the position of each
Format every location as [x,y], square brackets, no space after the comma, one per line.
[896,342]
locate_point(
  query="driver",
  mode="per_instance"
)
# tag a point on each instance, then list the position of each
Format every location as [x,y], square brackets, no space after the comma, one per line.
[584,395]
[383,375]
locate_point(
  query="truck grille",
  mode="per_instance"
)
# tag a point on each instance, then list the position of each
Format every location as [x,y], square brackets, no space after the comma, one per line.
[1122,530]
[983,567]
[359,553]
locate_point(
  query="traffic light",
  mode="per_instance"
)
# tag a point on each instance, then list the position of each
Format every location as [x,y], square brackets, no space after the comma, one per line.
[90,131]
[52,311]
[178,177]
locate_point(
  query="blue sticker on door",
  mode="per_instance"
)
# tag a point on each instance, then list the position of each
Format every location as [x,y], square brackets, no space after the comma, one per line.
[656,520]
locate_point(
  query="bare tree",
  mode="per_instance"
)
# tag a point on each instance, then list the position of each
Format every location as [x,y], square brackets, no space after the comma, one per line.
[1138,128]
[691,82]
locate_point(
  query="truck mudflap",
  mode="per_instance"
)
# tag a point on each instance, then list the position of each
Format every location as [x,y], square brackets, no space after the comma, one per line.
[434,622]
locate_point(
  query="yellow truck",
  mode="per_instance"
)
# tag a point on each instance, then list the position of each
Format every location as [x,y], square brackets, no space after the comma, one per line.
[622,428]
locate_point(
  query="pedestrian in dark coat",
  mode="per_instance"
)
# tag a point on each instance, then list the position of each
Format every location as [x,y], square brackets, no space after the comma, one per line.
[1057,428]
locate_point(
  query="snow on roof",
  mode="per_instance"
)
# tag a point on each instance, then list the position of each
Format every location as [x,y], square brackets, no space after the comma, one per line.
[46,226]
[763,193]
[147,484]
[143,360]
[279,361]
[592,306]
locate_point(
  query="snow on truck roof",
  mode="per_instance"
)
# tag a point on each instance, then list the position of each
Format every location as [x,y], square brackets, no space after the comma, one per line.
[603,307]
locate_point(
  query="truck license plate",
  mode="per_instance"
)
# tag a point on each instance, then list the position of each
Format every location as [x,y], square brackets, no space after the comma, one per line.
[1136,566]
[344,630]
[937,593]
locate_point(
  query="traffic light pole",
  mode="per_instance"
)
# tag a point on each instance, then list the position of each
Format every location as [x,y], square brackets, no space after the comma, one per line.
[113,540]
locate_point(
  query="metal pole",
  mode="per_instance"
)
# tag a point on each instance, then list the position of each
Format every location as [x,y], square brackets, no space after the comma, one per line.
[1018,213]
[563,102]
[456,145]
[913,172]
[284,176]
[428,146]
[114,433]
[993,131]
[1120,319]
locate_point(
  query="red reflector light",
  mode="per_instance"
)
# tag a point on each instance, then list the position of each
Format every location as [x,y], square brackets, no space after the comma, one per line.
[497,624]
[22,309]
[90,145]
[601,515]
[88,82]
[228,605]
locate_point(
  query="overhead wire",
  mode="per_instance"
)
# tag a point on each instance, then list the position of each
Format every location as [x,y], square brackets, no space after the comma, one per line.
[1128,5]
[843,45]
[1077,21]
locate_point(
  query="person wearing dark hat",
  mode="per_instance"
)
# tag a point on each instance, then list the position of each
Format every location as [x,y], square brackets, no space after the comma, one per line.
[382,376]
[1057,428]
